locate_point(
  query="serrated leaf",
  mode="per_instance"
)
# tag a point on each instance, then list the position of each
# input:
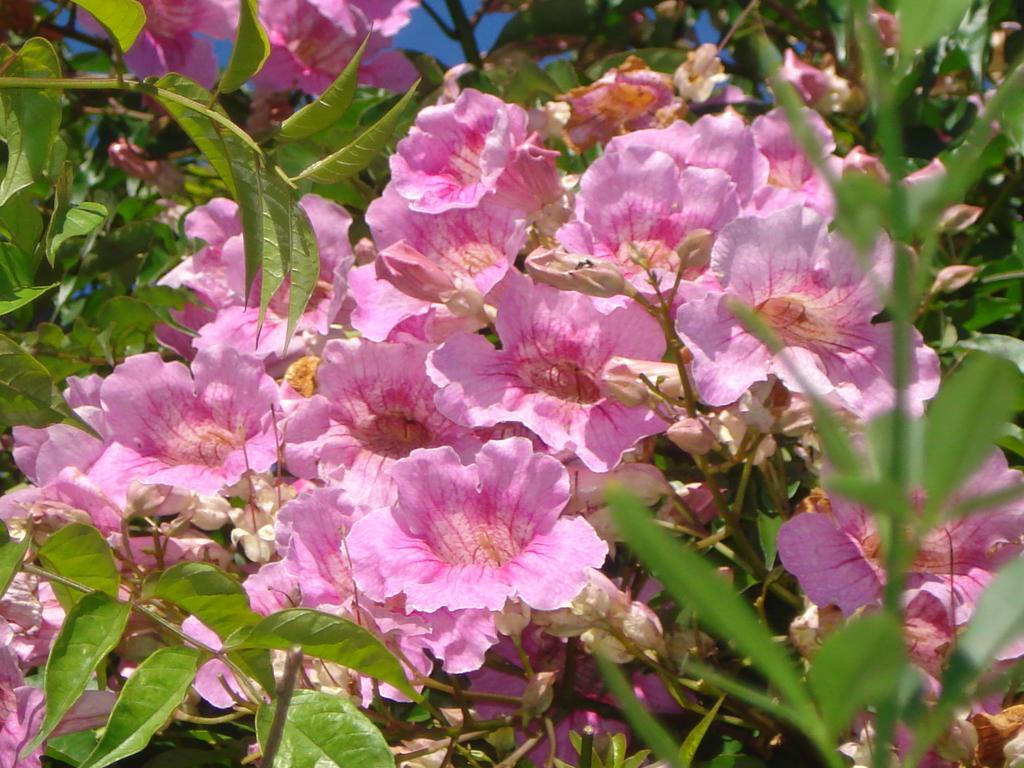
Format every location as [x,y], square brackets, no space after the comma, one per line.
[123,19]
[324,731]
[251,48]
[329,638]
[30,116]
[353,158]
[148,699]
[80,553]
[209,594]
[28,396]
[91,631]
[857,666]
[973,406]
[330,106]
[69,223]
[12,554]
[695,583]
[923,22]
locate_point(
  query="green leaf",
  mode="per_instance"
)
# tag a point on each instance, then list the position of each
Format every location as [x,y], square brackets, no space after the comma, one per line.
[80,553]
[148,699]
[351,159]
[12,554]
[964,420]
[330,106]
[69,223]
[857,666]
[123,19]
[29,117]
[251,48]
[644,723]
[209,594]
[16,298]
[220,147]
[28,396]
[923,22]
[91,631]
[24,224]
[324,731]
[329,638]
[695,583]
[688,749]
[1006,347]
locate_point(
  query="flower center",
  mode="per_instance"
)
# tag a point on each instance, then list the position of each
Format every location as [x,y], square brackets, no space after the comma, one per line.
[491,545]
[563,379]
[789,318]
[640,255]
[207,445]
[395,435]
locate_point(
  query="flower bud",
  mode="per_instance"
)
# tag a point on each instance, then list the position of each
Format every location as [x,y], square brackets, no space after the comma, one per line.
[540,692]
[513,619]
[695,251]
[957,218]
[130,158]
[810,628]
[365,251]
[698,76]
[623,378]
[691,435]
[1013,752]
[952,278]
[413,273]
[641,626]
[574,272]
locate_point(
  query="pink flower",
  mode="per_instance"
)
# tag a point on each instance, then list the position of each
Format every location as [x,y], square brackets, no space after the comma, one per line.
[70,497]
[473,248]
[636,206]
[168,42]
[546,375]
[375,405]
[793,178]
[217,274]
[42,454]
[30,618]
[474,536]
[821,89]
[833,551]
[626,98]
[809,287]
[313,40]
[201,434]
[457,154]
[22,708]
[721,141]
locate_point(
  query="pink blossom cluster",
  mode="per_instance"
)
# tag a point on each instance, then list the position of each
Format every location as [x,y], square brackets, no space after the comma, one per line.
[311,41]
[427,456]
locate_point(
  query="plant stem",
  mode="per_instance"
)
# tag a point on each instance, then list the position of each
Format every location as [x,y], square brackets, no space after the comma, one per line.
[285,689]
[467,38]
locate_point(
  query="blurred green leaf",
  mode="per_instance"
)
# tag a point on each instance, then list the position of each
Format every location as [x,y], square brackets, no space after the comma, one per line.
[209,594]
[29,117]
[250,51]
[12,554]
[964,421]
[78,552]
[149,697]
[923,22]
[548,18]
[1006,347]
[123,19]
[858,666]
[24,224]
[329,638]
[330,106]
[92,629]
[325,731]
[694,583]
[353,158]
[12,299]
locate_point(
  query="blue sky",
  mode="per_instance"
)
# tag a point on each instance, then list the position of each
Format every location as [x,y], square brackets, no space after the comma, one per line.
[422,34]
